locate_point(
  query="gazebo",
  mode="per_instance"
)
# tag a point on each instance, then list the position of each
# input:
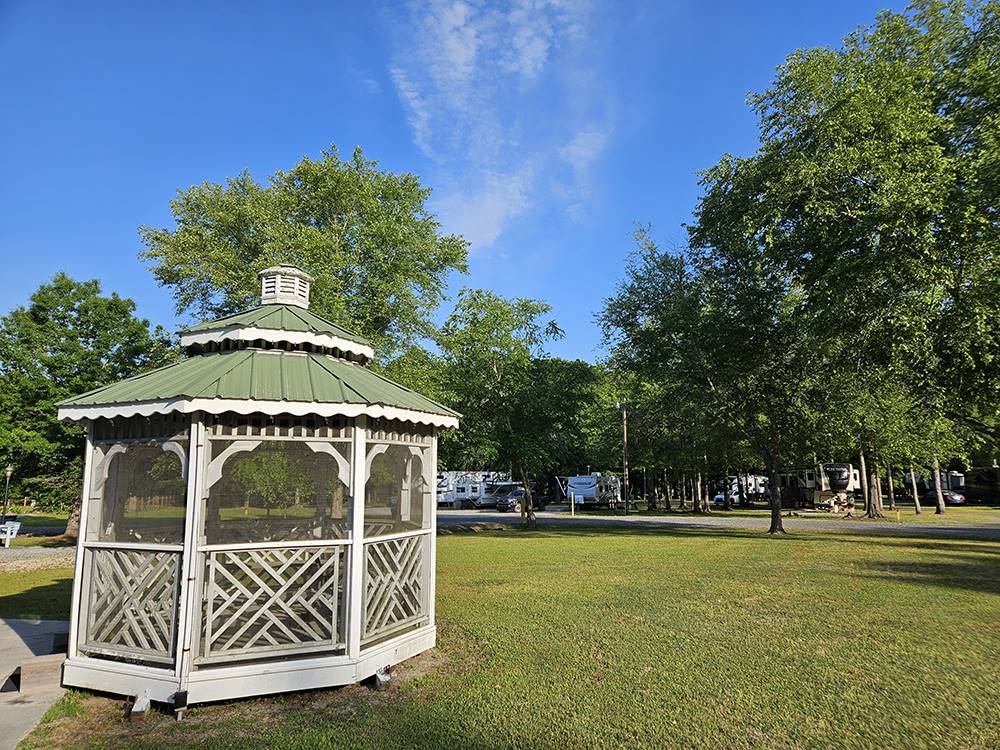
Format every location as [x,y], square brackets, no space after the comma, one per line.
[257,517]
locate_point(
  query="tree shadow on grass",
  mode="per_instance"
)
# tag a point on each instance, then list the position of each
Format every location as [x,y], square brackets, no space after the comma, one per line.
[988,548]
[47,602]
[796,533]
[979,573]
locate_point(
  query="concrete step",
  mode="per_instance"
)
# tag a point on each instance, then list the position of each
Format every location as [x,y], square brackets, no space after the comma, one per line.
[42,673]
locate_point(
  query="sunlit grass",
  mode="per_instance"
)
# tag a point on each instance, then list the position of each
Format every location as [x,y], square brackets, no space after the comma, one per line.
[720,638]
[35,594]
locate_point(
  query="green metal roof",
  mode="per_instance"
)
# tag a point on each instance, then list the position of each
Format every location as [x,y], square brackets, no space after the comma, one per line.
[263,375]
[279,318]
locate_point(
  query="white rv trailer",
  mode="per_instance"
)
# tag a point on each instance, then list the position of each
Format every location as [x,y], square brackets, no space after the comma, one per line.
[446,481]
[470,489]
[754,485]
[593,489]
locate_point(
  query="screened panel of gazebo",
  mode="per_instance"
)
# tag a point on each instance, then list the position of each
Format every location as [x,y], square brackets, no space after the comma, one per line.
[275,543]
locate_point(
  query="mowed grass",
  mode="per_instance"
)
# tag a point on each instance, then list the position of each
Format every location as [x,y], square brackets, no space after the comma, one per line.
[31,519]
[35,594]
[680,638]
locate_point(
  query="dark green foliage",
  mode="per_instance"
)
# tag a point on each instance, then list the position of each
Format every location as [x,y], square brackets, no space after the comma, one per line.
[69,339]
[840,290]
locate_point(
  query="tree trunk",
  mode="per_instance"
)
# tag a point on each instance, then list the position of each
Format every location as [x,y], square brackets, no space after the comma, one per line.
[872,505]
[892,489]
[73,524]
[696,505]
[937,487]
[667,487]
[776,525]
[683,489]
[727,498]
[913,489]
[879,497]
[741,487]
[865,492]
[527,507]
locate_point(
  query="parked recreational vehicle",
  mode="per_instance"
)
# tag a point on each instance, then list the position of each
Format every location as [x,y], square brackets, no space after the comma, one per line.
[754,489]
[594,490]
[950,480]
[754,485]
[446,481]
[811,486]
[470,489]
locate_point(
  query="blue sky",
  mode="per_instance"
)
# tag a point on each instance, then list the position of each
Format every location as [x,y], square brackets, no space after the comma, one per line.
[545,128]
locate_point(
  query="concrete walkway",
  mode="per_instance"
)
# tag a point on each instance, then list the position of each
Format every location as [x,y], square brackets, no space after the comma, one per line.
[20,640]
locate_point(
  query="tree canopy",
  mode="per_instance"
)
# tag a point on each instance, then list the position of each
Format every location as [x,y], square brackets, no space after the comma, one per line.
[69,339]
[839,292]
[378,256]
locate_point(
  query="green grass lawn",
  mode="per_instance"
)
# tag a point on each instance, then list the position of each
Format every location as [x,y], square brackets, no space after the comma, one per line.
[42,541]
[654,638]
[36,594]
[31,519]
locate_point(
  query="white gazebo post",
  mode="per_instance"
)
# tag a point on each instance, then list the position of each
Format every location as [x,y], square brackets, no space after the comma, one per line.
[256,518]
[359,474]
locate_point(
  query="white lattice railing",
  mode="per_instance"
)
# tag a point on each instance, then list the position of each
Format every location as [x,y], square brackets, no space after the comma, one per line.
[395,585]
[272,601]
[132,603]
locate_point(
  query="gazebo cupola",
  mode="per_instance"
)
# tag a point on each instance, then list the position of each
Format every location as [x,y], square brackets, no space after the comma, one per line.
[257,517]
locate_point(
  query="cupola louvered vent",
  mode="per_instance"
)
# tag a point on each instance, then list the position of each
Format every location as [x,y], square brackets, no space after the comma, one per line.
[284,285]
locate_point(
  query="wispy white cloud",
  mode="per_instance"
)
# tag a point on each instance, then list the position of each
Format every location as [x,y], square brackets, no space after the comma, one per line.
[419,114]
[488,96]
[579,154]
[482,215]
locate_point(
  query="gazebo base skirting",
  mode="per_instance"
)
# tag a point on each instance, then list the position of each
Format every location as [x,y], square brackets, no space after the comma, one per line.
[225,682]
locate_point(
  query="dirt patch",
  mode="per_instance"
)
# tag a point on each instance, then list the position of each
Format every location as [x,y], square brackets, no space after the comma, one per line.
[103,720]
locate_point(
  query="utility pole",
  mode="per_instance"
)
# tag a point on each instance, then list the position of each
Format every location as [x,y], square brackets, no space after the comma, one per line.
[624,408]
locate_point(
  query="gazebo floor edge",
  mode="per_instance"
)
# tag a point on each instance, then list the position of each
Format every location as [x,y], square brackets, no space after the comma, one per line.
[219,683]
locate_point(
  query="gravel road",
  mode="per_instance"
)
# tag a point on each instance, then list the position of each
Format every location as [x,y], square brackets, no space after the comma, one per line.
[18,559]
[560,520]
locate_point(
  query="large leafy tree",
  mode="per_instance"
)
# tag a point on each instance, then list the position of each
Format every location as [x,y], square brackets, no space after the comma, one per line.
[520,408]
[68,339]
[878,190]
[721,332]
[378,255]
[840,296]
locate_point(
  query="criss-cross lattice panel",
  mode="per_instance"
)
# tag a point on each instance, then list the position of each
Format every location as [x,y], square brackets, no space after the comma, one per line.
[272,601]
[394,585]
[132,607]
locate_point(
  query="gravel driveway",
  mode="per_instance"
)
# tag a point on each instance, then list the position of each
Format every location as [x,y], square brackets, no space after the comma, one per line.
[561,520]
[17,559]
